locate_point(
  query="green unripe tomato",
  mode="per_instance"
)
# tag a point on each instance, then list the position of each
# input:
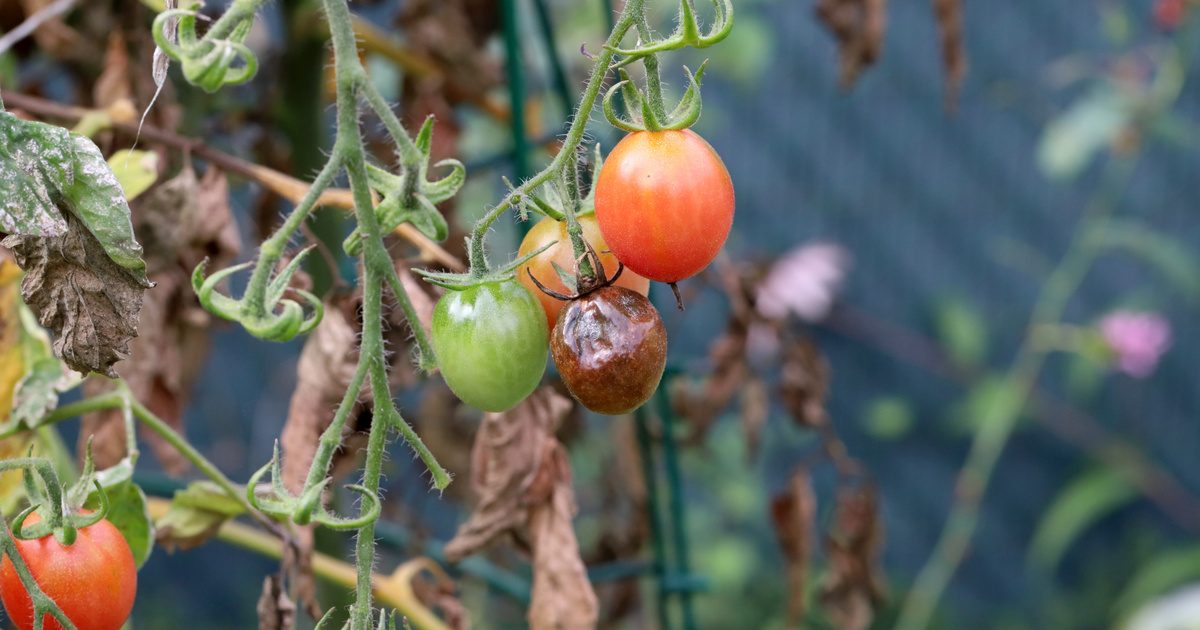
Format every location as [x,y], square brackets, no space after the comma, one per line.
[491,342]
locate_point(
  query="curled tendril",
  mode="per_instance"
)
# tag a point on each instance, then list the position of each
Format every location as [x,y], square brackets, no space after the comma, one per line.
[411,197]
[208,63]
[307,506]
[687,32]
[267,315]
[684,115]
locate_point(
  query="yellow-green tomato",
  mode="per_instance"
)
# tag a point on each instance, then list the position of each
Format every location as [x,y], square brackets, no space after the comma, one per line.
[491,343]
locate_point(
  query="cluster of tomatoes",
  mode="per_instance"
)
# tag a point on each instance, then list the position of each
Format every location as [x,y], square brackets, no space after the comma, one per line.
[663,208]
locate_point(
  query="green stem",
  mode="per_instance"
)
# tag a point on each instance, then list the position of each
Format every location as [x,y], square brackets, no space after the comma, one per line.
[238,11]
[653,79]
[999,421]
[272,249]
[409,153]
[428,360]
[476,252]
[570,177]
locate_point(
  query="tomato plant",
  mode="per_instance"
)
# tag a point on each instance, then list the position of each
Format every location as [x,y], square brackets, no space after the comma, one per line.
[93,580]
[490,340]
[664,201]
[610,347]
[560,253]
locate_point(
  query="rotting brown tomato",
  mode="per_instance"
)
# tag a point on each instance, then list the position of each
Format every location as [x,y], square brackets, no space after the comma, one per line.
[610,347]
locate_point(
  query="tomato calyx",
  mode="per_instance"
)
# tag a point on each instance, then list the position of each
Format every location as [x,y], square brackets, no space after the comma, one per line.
[61,510]
[582,283]
[682,116]
[411,197]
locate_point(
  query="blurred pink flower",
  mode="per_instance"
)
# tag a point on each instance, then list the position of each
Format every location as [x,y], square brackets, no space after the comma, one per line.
[1137,339]
[804,282]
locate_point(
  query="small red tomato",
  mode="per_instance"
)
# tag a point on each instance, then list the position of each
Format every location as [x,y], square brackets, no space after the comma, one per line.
[561,253]
[93,580]
[665,203]
[1168,14]
[610,347]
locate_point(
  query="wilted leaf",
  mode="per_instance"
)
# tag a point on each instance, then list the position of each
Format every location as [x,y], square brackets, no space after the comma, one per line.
[127,511]
[276,611]
[961,331]
[113,84]
[948,14]
[756,405]
[522,477]
[195,515]
[135,171]
[1088,498]
[181,221]
[853,588]
[858,26]
[793,513]
[804,382]
[89,302]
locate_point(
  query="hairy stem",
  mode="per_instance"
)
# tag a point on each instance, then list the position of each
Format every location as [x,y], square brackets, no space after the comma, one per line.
[476,252]
[653,79]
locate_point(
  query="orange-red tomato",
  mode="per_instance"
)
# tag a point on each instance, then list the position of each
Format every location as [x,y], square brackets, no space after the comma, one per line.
[93,580]
[665,203]
[548,230]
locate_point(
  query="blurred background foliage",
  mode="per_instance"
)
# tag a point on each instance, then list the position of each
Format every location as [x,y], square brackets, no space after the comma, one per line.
[952,219]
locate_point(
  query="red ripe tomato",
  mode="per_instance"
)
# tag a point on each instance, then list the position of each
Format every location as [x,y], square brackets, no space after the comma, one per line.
[561,253]
[1169,14]
[665,203]
[93,580]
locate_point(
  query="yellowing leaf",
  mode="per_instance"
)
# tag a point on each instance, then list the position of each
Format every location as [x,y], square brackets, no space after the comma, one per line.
[136,171]
[12,368]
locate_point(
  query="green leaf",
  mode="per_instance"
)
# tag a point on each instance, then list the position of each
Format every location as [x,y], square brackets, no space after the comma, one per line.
[962,332]
[1173,260]
[1160,574]
[889,418]
[992,398]
[51,172]
[136,171]
[195,515]
[127,511]
[1070,141]
[1085,500]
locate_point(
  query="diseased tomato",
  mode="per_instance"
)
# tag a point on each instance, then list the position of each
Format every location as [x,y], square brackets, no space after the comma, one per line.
[490,340]
[665,203]
[549,231]
[93,581]
[610,347]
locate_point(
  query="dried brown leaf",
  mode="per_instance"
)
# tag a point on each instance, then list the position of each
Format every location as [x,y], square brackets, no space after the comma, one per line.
[794,513]
[521,474]
[948,14]
[180,222]
[275,610]
[853,587]
[756,405]
[804,382]
[113,84]
[89,302]
[859,27]
[562,595]
[53,35]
